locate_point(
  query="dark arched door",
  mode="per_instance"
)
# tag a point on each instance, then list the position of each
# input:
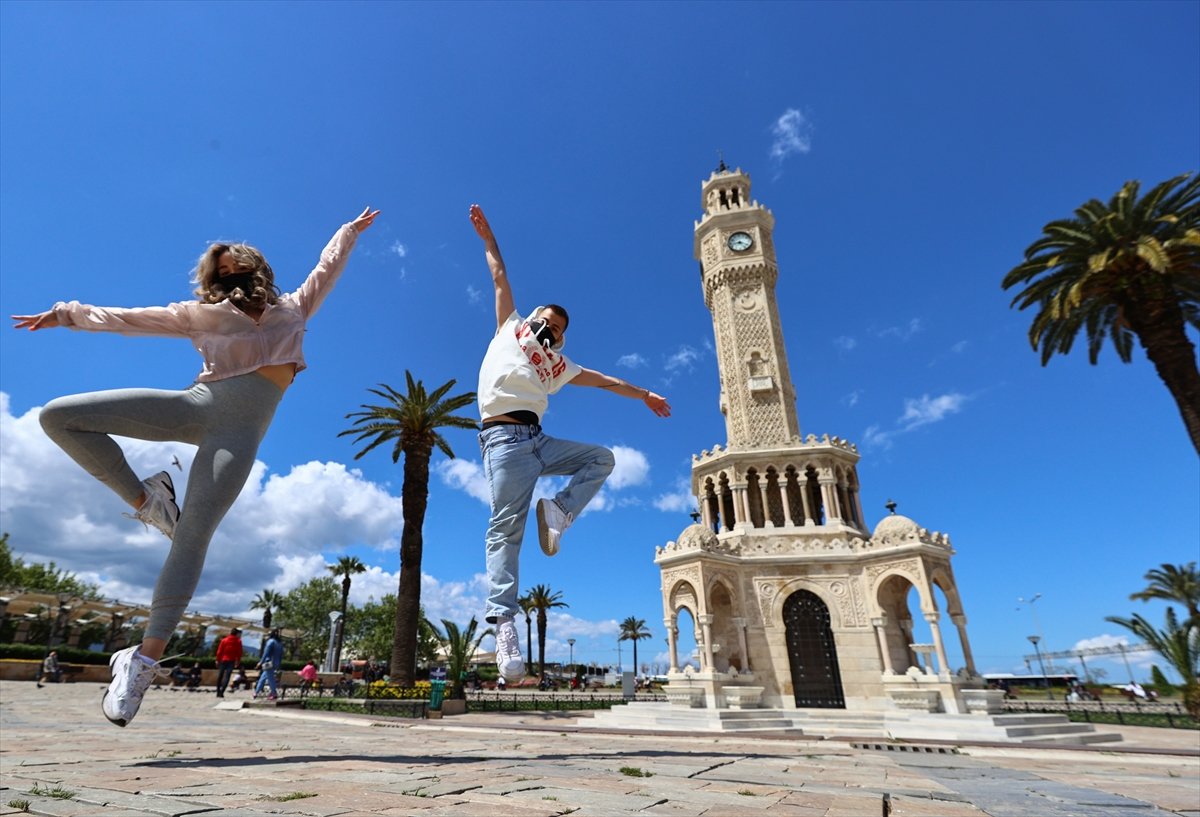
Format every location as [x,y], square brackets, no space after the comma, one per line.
[812,652]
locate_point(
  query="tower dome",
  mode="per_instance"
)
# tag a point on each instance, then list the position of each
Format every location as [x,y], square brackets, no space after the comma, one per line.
[895,528]
[697,536]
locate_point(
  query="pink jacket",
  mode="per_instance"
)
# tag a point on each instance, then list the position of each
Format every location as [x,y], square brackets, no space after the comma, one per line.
[229,340]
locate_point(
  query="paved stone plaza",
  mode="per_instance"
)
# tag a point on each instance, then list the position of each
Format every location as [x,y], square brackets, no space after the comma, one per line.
[183,756]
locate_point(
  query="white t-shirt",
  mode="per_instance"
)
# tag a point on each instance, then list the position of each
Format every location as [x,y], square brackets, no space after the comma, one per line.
[518,373]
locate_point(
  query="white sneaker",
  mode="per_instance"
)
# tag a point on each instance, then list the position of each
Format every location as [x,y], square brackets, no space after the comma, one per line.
[553,521]
[159,510]
[131,677]
[508,651]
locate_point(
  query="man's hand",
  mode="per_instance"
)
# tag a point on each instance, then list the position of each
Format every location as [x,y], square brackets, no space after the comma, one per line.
[480,223]
[504,297]
[657,403]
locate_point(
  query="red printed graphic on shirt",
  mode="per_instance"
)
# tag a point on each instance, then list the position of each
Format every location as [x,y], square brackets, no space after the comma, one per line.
[547,364]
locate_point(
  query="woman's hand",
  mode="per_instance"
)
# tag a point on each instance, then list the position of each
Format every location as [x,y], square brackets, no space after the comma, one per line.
[43,320]
[365,219]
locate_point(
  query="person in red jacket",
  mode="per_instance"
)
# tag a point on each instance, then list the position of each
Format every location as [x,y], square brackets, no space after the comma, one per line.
[229,656]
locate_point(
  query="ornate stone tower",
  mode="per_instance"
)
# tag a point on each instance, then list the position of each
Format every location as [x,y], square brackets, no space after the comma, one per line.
[795,603]
[738,272]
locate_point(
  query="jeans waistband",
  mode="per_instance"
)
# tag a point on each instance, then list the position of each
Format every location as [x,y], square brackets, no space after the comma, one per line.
[524,430]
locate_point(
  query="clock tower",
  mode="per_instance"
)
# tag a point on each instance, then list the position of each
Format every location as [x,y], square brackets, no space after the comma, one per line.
[738,273]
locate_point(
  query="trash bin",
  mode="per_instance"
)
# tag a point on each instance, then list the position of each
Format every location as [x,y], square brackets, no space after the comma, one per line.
[437,691]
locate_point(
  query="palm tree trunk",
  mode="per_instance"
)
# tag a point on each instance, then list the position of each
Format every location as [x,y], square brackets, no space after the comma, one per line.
[541,642]
[414,497]
[635,669]
[337,656]
[1159,326]
[528,641]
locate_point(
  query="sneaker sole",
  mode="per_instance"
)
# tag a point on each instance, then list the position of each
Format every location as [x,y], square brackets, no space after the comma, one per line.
[121,722]
[163,479]
[544,532]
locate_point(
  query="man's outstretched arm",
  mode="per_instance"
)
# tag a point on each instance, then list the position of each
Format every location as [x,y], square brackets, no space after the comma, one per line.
[655,402]
[504,298]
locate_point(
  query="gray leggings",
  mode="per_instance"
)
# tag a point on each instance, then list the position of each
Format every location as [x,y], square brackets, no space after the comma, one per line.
[226,419]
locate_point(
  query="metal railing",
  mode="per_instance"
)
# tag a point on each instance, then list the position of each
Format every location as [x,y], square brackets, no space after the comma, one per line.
[1107,712]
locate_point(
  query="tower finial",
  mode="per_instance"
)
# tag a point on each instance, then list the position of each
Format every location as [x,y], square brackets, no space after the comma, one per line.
[890,505]
[721,168]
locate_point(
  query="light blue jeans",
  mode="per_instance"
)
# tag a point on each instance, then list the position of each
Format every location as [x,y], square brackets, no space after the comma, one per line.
[514,456]
[267,676]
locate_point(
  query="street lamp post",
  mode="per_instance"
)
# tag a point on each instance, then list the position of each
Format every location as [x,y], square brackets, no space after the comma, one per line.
[571,643]
[1037,625]
[1035,639]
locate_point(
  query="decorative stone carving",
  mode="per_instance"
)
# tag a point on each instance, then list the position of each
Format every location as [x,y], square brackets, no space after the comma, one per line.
[983,701]
[686,696]
[917,700]
[740,697]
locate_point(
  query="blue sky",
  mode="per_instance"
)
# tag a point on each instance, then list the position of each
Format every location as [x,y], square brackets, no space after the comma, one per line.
[909,152]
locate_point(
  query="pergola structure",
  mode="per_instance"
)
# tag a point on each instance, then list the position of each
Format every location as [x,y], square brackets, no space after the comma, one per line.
[71,616]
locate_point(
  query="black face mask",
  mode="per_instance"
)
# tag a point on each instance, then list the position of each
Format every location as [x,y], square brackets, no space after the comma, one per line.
[238,280]
[543,333]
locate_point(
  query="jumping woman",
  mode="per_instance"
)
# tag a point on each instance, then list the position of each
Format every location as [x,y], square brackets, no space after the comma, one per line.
[250,338]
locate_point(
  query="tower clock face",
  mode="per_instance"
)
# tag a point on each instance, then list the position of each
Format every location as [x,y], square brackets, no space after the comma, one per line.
[740,241]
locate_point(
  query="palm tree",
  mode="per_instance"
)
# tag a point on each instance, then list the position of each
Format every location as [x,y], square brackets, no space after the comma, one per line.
[1129,268]
[1177,583]
[460,647]
[526,605]
[345,567]
[634,629]
[410,421]
[1179,645]
[267,601]
[542,598]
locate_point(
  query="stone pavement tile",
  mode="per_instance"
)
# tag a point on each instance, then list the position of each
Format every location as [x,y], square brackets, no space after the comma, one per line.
[684,808]
[856,805]
[515,784]
[466,809]
[925,807]
[1172,793]
[573,798]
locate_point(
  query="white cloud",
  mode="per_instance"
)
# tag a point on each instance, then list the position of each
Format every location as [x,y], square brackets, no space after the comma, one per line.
[398,249]
[272,536]
[467,476]
[791,133]
[679,500]
[474,294]
[631,468]
[902,332]
[875,437]
[851,399]
[918,412]
[845,343]
[1105,640]
[631,361]
[959,347]
[924,410]
[685,358]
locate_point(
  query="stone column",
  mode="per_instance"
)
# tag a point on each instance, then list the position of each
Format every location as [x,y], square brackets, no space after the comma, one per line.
[766,506]
[706,512]
[809,519]
[906,630]
[741,506]
[672,631]
[960,623]
[879,624]
[707,653]
[862,520]
[829,494]
[939,648]
[740,624]
[787,506]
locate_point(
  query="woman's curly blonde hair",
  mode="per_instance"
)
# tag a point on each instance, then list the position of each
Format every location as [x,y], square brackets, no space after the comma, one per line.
[209,289]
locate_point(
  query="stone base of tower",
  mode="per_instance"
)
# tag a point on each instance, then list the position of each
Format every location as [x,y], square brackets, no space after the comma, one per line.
[863,724]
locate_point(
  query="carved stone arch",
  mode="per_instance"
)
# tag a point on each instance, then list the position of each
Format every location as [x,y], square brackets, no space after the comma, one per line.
[821,591]
[918,581]
[941,577]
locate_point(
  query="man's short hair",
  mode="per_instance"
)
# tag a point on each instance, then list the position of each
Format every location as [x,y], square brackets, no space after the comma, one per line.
[561,312]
